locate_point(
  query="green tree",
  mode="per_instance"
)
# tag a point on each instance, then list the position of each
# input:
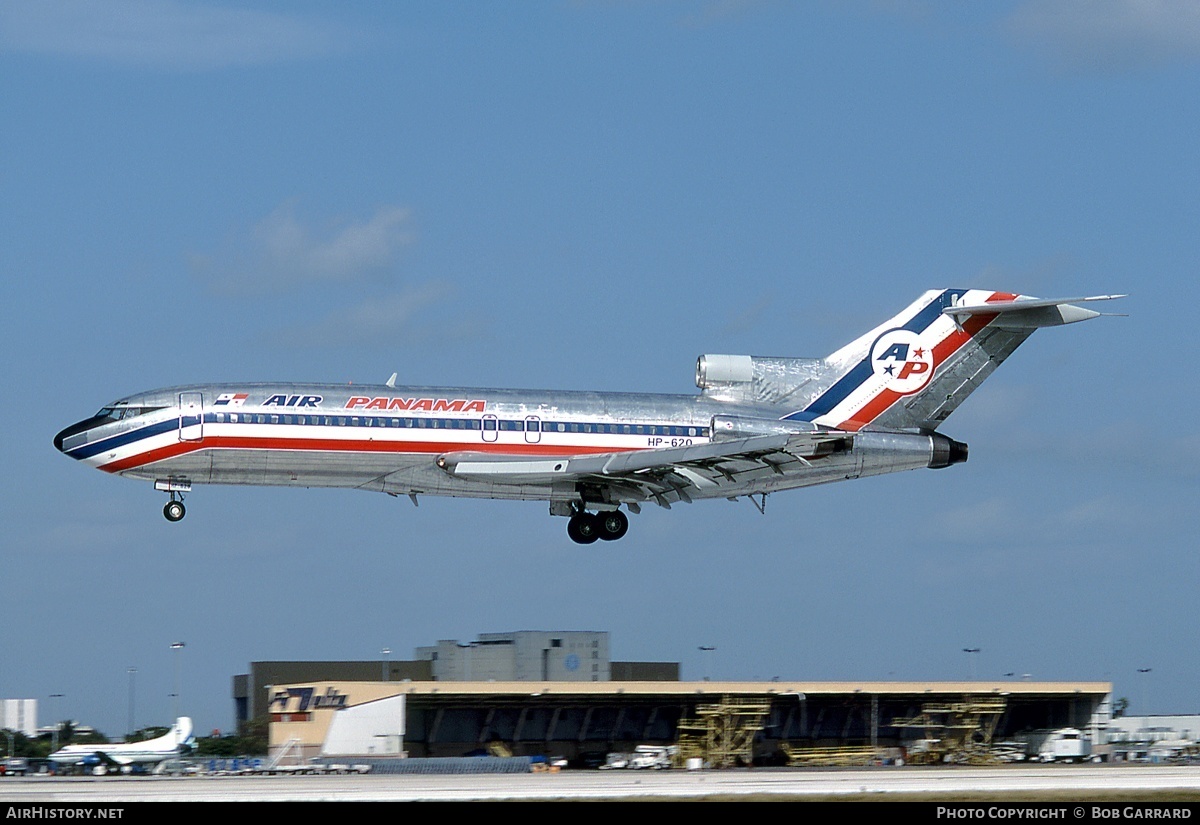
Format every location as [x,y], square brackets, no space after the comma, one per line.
[251,740]
[16,743]
[219,746]
[1120,708]
[255,737]
[151,732]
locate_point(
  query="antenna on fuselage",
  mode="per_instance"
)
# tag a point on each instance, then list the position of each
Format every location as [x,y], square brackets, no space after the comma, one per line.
[391,382]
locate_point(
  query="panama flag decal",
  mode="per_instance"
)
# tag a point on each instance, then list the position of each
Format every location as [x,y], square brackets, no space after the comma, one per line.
[231,399]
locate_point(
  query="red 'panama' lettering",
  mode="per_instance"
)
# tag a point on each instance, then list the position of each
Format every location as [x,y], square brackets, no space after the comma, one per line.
[383,402]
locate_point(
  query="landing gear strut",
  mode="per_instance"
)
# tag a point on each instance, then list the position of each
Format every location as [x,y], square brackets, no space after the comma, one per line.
[585,528]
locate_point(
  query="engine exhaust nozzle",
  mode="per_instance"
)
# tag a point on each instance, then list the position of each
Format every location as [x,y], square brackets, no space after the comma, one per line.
[946,451]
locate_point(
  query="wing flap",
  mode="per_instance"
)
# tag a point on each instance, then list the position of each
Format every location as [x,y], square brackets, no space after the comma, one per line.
[696,465]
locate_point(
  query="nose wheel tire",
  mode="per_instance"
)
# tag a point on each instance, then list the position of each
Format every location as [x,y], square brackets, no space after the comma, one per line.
[174,510]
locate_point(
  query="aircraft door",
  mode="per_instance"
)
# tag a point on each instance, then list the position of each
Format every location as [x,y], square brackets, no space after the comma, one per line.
[491,428]
[191,416]
[533,429]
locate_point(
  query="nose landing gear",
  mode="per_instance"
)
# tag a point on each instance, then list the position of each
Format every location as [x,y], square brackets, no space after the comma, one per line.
[175,487]
[585,528]
[174,509]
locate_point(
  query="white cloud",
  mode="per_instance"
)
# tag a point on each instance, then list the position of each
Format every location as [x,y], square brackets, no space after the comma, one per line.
[280,252]
[1110,33]
[1001,520]
[164,33]
[382,319]
[748,318]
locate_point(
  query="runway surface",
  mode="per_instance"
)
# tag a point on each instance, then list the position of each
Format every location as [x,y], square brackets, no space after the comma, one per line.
[1056,782]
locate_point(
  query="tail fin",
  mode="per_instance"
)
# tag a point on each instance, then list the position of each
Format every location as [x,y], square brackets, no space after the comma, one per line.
[912,371]
[182,731]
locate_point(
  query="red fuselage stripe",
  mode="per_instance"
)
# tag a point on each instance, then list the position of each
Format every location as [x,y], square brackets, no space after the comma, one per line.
[349,446]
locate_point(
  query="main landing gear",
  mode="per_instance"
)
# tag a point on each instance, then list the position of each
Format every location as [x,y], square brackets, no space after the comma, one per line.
[609,525]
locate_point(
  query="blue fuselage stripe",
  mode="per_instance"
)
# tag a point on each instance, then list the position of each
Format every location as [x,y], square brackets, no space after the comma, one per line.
[121,439]
[341,418]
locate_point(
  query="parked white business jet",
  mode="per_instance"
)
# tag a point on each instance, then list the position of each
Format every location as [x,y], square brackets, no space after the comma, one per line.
[758,424]
[102,758]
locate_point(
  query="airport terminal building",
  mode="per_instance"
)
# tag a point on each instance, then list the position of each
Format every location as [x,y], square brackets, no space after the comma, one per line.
[536,693]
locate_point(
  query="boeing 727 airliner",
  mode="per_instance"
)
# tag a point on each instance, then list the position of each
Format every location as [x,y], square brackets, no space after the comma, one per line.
[758,424]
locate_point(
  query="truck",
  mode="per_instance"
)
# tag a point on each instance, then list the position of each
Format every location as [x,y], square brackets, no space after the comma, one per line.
[1058,745]
[15,766]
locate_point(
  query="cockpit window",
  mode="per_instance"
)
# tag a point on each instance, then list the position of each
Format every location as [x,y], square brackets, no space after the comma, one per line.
[121,413]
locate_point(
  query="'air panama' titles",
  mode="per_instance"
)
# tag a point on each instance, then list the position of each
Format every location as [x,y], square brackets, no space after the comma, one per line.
[379,402]
[292,401]
[361,402]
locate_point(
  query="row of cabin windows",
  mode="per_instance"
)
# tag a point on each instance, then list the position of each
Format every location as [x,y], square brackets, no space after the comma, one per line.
[489,424]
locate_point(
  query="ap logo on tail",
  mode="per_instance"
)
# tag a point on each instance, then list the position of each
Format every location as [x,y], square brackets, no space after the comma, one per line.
[902,362]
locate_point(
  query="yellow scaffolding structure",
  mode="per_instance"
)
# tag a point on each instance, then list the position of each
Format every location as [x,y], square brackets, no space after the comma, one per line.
[722,734]
[958,732]
[848,756]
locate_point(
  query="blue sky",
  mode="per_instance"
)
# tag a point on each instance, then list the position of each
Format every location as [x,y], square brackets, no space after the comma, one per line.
[588,195]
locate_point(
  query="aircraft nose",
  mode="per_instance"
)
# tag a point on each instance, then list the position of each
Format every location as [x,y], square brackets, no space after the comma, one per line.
[60,440]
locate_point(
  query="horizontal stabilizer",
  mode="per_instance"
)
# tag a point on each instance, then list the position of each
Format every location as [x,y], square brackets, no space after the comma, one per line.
[1030,313]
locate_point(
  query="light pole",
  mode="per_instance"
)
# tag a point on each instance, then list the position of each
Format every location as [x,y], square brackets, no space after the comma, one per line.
[177,647]
[708,659]
[1146,682]
[131,671]
[54,731]
[387,651]
[970,650]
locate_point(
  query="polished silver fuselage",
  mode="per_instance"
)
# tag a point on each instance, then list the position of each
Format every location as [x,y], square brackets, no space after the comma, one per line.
[389,439]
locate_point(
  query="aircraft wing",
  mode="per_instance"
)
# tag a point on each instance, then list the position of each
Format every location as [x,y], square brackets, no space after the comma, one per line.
[114,757]
[655,473]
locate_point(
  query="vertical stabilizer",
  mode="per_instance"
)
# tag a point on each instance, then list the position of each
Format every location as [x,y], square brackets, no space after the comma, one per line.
[912,371]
